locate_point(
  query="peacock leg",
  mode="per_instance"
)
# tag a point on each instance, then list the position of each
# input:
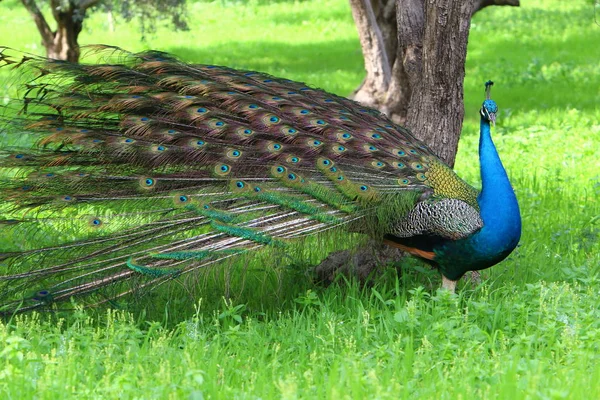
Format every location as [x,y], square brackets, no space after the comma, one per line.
[448,284]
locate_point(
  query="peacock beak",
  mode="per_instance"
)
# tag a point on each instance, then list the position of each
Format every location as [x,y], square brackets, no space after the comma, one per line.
[492,118]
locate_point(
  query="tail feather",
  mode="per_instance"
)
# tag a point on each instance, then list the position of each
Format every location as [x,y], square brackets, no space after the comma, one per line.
[161,168]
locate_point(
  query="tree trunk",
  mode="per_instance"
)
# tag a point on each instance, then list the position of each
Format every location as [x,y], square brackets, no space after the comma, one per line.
[64,45]
[424,89]
[61,44]
[436,110]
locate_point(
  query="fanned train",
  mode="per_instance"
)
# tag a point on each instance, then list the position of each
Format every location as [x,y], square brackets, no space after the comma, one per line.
[163,168]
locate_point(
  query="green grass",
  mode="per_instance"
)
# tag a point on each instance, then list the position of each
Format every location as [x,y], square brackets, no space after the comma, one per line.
[531,330]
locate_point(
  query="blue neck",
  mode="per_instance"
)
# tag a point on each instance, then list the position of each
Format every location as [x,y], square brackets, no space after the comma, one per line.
[499,211]
[497,201]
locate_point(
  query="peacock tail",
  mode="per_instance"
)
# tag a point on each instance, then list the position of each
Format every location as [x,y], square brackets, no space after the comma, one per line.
[164,168]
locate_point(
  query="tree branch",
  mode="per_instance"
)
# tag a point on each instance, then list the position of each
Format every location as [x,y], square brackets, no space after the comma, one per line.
[481,4]
[40,21]
[56,9]
[85,4]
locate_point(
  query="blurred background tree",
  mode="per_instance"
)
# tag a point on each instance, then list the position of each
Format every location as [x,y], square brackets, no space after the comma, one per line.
[69,15]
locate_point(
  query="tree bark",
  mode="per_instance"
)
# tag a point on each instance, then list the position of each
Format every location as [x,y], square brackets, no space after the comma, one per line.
[436,110]
[424,90]
[61,44]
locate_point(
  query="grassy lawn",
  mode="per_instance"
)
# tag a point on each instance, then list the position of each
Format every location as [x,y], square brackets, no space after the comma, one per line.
[531,330]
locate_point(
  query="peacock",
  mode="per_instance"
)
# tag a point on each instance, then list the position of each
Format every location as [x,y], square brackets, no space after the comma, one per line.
[130,173]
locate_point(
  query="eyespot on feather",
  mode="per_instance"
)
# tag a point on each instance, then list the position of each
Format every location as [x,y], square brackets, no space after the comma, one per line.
[198,143]
[293,159]
[222,169]
[274,147]
[181,199]
[147,183]
[270,119]
[43,296]
[399,152]
[95,222]
[67,199]
[234,154]
[314,143]
[240,186]
[344,136]
[278,170]
[244,131]
[417,166]
[287,130]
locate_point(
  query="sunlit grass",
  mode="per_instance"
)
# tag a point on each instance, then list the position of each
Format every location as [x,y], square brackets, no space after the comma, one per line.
[531,330]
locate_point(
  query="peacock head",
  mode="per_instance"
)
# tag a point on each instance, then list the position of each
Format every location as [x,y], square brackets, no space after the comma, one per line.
[489,108]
